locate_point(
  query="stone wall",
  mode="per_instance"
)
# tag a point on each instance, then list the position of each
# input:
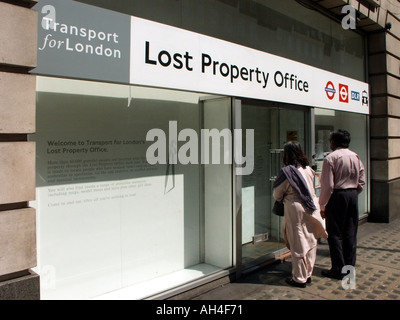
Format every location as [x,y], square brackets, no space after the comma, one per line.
[384,79]
[18,37]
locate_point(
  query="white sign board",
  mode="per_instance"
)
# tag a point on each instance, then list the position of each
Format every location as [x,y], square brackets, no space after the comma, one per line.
[114,47]
[170,57]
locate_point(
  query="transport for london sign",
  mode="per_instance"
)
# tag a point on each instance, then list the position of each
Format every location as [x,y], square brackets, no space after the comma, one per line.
[85,42]
[82,41]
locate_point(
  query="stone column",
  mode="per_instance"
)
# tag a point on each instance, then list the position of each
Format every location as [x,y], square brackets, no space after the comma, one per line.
[384,75]
[18,42]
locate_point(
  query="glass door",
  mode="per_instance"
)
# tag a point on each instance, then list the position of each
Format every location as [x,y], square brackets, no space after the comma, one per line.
[274,124]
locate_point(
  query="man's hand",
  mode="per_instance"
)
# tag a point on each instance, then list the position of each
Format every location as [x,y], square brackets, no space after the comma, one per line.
[322,212]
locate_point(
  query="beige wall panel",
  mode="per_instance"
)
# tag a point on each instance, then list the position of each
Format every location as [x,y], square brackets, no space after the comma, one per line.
[383,149]
[394,169]
[395,29]
[394,148]
[392,45]
[17,103]
[374,15]
[393,65]
[382,16]
[17,172]
[18,36]
[388,5]
[394,106]
[364,10]
[379,170]
[394,127]
[353,3]
[17,240]
[393,86]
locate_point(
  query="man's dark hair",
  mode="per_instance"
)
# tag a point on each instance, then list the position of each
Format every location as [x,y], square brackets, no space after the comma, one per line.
[341,138]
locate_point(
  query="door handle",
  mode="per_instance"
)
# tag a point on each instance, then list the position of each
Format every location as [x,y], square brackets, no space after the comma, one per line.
[275,163]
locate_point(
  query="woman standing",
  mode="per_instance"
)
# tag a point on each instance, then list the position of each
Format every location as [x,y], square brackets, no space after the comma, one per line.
[302,220]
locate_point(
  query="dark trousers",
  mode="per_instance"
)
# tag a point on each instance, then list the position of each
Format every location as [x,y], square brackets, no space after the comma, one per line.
[342,224]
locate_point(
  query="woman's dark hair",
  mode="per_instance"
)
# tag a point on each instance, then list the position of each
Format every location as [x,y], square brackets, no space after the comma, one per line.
[340,138]
[294,155]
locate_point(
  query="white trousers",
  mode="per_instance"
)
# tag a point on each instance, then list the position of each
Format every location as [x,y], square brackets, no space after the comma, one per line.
[302,268]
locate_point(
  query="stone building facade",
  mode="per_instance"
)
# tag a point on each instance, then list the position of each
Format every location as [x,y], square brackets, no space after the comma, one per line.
[18,24]
[379,20]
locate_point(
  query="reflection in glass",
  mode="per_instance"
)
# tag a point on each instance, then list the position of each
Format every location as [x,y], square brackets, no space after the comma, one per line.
[107,219]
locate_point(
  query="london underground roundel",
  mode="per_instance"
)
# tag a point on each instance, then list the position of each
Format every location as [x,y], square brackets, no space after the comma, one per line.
[330,90]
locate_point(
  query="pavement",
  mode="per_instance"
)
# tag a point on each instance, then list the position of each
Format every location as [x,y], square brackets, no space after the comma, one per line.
[376,276]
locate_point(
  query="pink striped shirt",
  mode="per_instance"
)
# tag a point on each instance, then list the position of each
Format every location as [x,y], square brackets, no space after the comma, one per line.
[341,169]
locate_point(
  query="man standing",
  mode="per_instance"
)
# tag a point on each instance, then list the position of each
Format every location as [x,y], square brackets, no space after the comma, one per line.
[342,179]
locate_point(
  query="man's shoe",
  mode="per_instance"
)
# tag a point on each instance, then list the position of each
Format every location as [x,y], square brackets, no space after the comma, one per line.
[293,283]
[308,280]
[332,274]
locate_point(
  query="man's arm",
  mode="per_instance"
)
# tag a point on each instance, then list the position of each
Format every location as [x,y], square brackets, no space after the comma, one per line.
[327,185]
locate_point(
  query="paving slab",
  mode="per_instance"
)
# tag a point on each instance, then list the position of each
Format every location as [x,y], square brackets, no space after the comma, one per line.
[377,273]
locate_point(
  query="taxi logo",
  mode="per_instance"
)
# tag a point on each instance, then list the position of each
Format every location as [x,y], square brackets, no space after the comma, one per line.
[343,93]
[330,90]
[364,98]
